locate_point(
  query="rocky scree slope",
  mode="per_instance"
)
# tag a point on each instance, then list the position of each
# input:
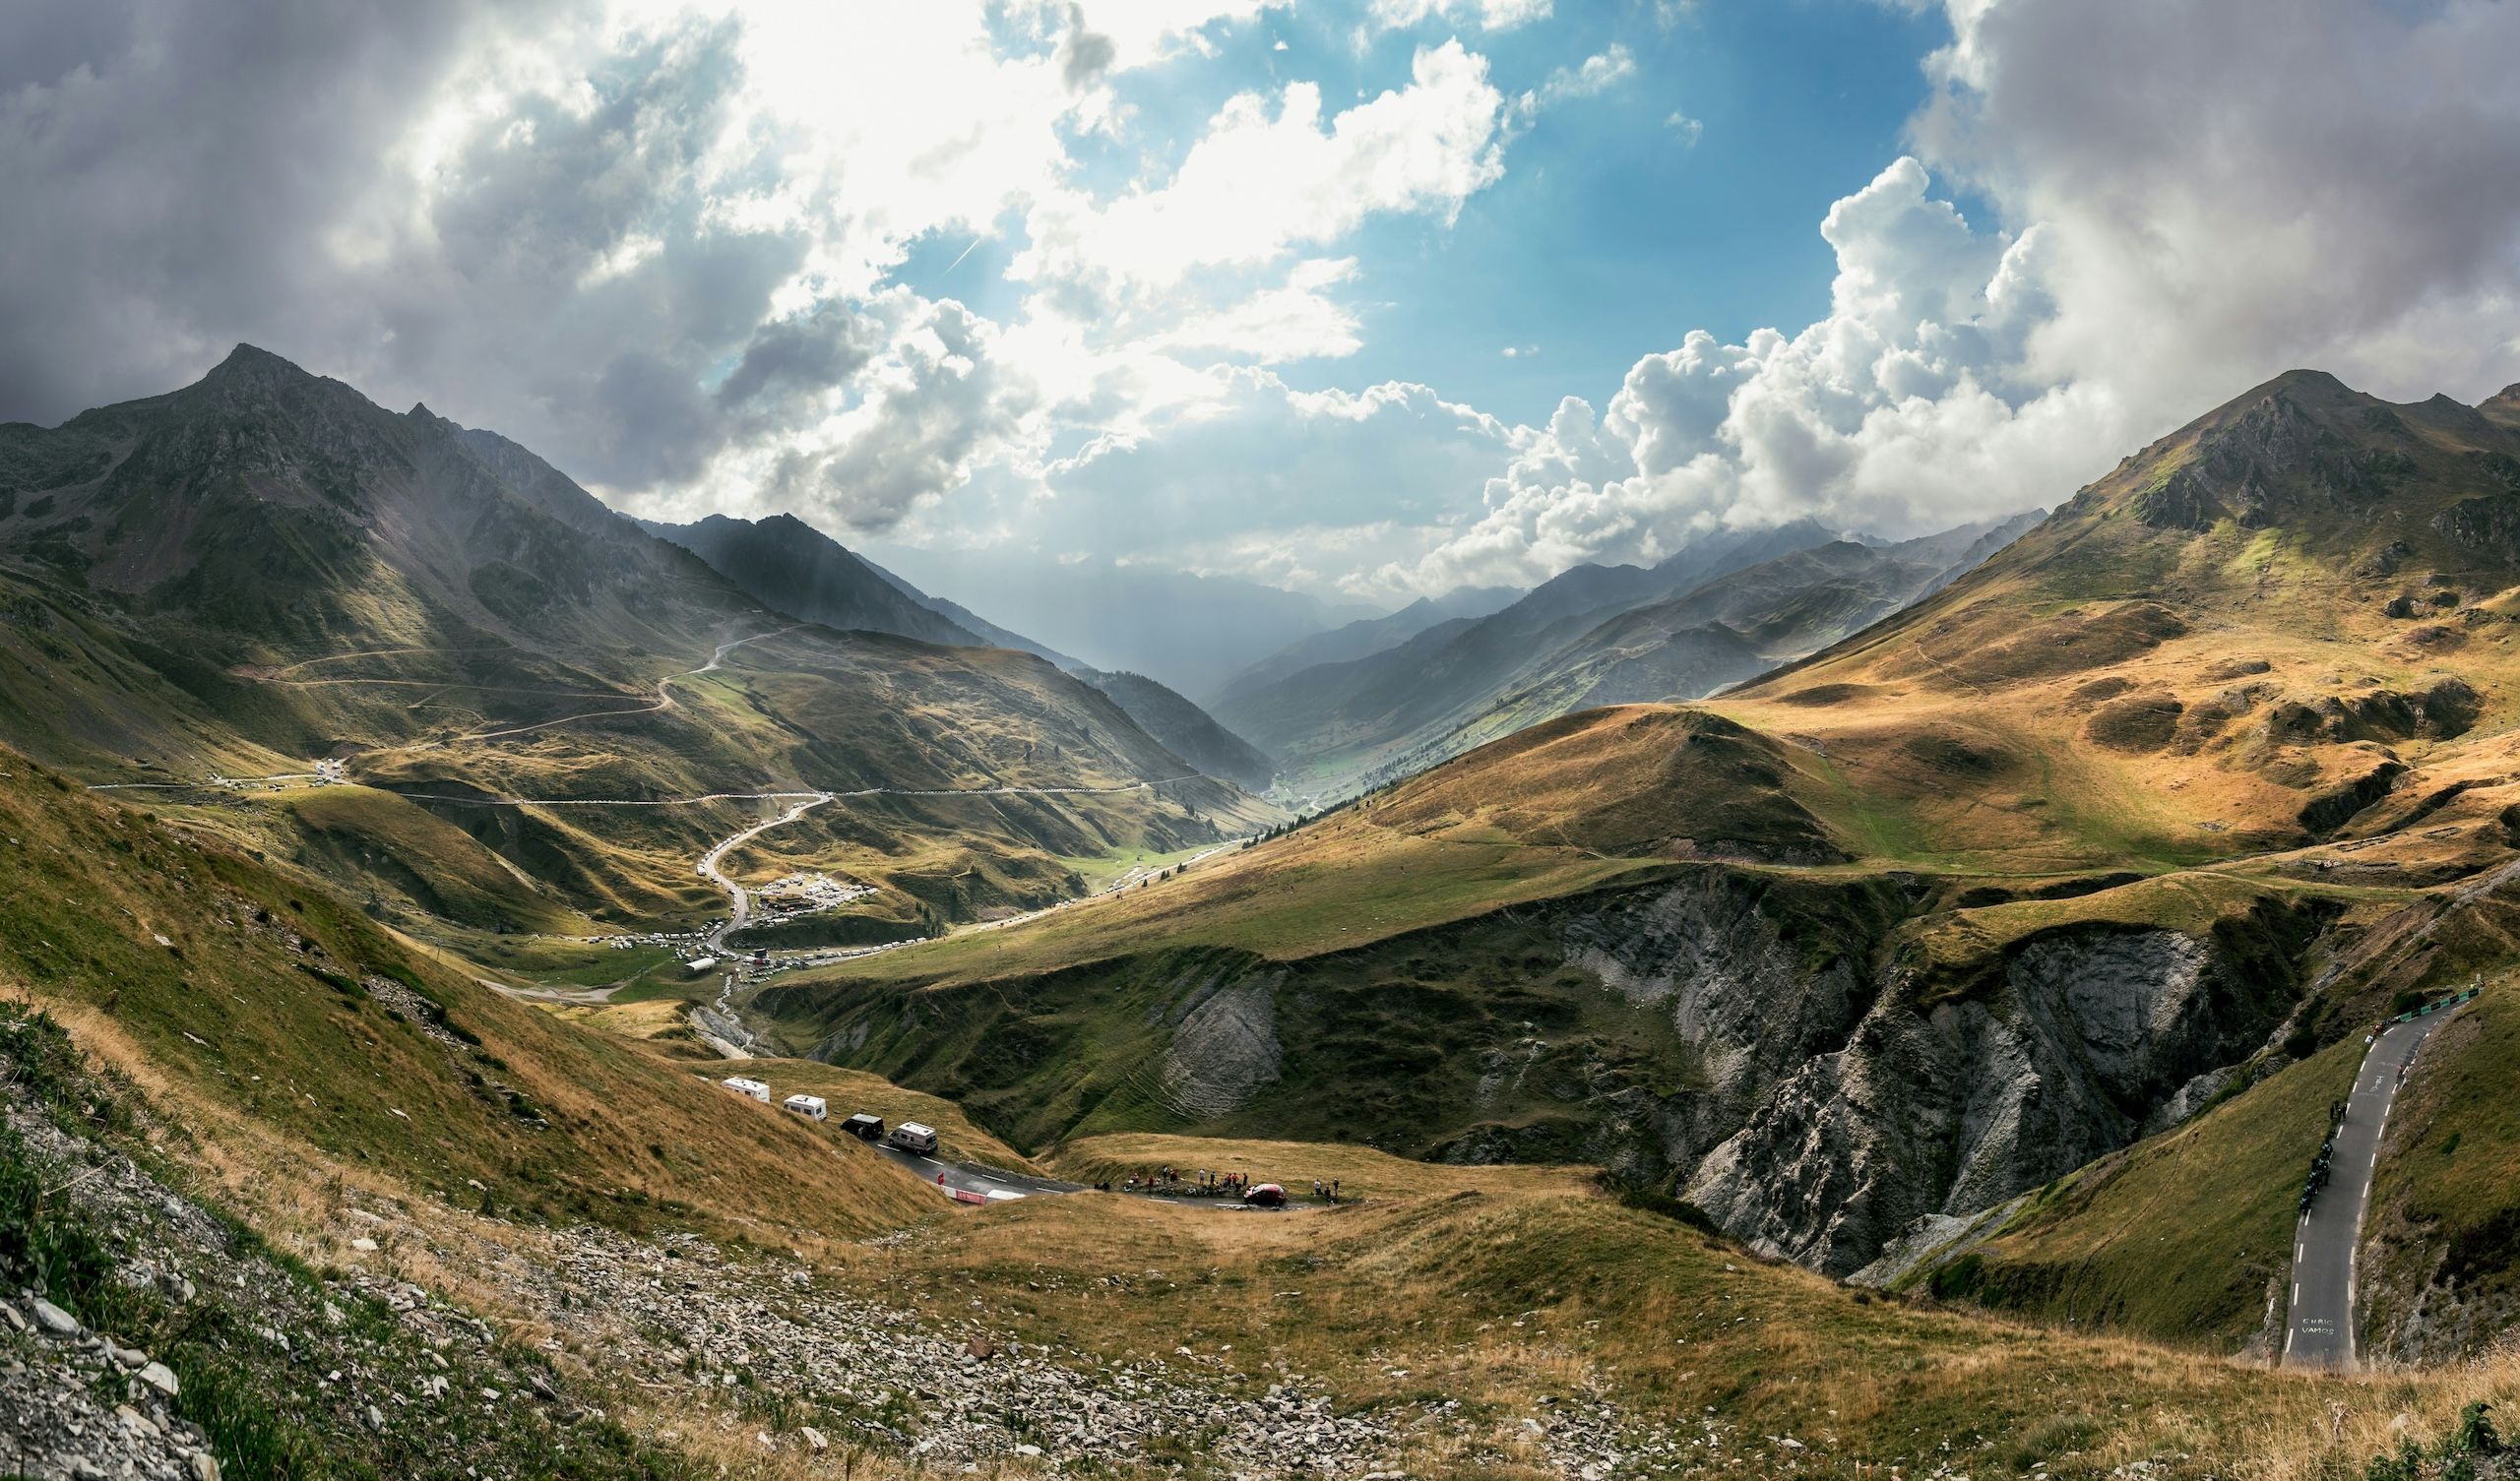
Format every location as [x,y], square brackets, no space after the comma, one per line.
[147,1335]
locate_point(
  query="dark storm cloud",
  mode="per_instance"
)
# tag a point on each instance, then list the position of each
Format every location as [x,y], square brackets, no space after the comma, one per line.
[798,356]
[169,168]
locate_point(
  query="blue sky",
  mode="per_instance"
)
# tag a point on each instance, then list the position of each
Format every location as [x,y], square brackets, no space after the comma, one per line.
[1797,103]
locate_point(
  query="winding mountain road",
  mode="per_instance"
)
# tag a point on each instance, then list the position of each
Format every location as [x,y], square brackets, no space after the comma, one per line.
[663,700]
[739,897]
[2318,1332]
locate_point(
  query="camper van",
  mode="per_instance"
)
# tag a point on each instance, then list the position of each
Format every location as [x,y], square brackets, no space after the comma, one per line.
[865,1127]
[752,1087]
[910,1136]
[808,1106]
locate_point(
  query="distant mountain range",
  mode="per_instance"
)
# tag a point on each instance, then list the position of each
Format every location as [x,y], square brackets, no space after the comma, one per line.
[1726,609]
[1192,633]
[1368,636]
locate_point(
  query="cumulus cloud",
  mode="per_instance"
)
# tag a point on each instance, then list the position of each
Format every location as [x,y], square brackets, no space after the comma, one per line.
[2186,202]
[2236,186]
[943,406]
[1319,484]
[1878,417]
[1487,15]
[1264,179]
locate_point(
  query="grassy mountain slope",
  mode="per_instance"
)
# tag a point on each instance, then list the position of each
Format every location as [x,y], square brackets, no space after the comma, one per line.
[2147,759]
[265,569]
[1186,731]
[284,1018]
[2269,624]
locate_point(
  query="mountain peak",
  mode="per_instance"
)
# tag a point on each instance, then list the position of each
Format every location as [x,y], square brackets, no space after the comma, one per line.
[253,363]
[2317,383]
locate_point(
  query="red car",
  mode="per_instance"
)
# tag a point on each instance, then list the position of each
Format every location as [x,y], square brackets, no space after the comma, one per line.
[1264,1196]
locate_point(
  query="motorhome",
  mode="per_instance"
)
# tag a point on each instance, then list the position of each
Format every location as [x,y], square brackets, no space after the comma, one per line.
[865,1127]
[751,1087]
[912,1137]
[808,1106]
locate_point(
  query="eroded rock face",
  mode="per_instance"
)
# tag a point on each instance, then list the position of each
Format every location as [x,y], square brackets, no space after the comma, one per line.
[1747,1000]
[1225,1047]
[1945,1107]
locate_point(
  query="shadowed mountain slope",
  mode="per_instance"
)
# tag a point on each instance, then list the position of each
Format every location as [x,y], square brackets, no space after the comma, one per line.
[1393,708]
[1368,636]
[263,570]
[796,569]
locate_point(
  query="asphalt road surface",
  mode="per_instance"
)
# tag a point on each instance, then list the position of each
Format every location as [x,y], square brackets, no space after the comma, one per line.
[980,1184]
[955,1175]
[2319,1332]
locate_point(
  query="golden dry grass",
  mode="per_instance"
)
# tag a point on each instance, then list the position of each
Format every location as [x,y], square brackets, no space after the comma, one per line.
[1362,1171]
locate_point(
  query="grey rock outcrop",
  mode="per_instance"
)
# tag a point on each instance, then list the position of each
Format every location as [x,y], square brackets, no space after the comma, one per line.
[1225,1048]
[1947,1106]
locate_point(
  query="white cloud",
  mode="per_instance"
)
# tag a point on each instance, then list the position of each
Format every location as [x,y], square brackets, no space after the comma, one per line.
[1689,129]
[1879,416]
[1318,485]
[2238,186]
[1487,15]
[1596,75]
[1262,181]
[1298,320]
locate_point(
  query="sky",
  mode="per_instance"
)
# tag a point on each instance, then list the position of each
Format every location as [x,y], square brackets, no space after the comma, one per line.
[1364,300]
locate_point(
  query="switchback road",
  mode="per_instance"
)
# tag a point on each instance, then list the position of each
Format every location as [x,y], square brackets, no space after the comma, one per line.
[2319,1332]
[739,897]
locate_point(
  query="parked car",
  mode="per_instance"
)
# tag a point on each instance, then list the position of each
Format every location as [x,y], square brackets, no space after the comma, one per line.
[808,1106]
[751,1087]
[912,1137]
[865,1127]
[1264,1196]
